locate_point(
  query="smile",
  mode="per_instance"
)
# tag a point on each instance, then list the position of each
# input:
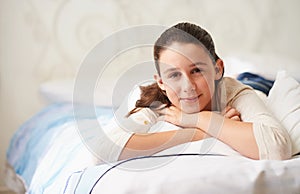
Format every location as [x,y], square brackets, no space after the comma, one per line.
[190,99]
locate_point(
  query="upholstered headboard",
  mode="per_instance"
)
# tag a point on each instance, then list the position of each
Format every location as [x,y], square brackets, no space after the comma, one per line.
[66,30]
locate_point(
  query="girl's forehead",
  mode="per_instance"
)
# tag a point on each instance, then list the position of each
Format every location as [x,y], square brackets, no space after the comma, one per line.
[184,53]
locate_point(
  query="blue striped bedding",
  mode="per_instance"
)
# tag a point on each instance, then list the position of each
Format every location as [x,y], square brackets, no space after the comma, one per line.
[46,149]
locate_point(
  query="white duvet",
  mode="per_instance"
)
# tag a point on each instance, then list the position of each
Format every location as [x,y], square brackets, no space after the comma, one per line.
[208,172]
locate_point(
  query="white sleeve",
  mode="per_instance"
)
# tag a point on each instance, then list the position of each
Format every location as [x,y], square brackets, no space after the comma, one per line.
[272,139]
[118,131]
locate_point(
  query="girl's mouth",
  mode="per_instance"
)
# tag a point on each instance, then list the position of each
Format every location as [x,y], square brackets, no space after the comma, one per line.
[190,99]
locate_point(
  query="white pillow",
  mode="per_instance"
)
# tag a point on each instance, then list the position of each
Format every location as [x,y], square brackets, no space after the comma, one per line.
[57,90]
[61,90]
[266,65]
[284,102]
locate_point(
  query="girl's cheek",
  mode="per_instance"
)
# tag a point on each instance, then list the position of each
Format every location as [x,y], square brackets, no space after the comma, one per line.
[174,87]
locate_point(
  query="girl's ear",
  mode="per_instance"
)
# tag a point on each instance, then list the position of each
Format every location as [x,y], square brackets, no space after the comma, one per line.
[219,68]
[159,82]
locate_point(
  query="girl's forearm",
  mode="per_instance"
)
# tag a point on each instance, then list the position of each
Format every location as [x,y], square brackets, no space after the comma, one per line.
[151,143]
[238,135]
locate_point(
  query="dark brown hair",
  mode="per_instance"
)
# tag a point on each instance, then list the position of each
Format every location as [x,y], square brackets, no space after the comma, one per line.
[151,97]
[181,33]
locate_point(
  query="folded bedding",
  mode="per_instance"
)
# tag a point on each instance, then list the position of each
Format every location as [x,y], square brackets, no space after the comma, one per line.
[188,173]
[256,81]
[48,148]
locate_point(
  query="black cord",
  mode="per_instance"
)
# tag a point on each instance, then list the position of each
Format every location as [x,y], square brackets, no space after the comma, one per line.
[143,157]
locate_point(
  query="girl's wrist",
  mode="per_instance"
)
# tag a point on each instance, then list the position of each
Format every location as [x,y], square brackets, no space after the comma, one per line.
[204,119]
[198,135]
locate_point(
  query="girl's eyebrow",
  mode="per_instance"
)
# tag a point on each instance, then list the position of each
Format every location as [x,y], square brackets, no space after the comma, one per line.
[198,63]
[170,70]
[191,65]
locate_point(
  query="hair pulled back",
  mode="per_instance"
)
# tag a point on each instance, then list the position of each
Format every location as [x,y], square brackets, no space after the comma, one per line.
[152,96]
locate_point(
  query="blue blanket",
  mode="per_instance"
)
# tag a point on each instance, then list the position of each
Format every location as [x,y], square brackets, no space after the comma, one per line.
[45,146]
[256,81]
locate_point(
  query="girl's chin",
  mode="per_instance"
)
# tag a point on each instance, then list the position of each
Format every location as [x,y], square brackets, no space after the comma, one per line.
[191,110]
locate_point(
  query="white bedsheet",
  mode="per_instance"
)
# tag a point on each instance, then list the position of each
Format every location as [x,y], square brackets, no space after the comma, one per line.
[208,173]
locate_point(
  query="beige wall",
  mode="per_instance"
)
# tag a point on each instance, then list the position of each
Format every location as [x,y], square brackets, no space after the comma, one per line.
[18,94]
[44,40]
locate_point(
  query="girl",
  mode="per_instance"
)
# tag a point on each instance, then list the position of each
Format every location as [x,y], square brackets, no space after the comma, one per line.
[191,93]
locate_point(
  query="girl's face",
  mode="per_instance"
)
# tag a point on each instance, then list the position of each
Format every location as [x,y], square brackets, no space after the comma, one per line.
[188,76]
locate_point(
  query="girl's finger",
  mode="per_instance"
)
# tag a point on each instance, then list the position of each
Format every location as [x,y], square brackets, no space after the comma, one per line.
[173,108]
[232,112]
[161,118]
[162,111]
[236,118]
[227,108]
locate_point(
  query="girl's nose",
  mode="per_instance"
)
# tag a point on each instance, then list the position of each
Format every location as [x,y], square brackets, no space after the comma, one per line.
[188,84]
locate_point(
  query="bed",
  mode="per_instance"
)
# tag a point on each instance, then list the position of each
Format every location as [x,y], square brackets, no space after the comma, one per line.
[47,155]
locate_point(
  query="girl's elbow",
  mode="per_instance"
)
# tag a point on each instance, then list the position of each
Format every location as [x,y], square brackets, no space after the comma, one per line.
[280,150]
[285,151]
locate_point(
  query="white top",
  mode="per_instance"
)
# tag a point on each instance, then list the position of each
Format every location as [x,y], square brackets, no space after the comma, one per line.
[272,139]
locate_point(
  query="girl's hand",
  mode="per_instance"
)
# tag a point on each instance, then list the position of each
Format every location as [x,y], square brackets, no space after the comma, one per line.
[232,113]
[177,117]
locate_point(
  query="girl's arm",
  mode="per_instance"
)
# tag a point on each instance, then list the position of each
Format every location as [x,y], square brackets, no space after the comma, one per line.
[236,134]
[151,143]
[258,136]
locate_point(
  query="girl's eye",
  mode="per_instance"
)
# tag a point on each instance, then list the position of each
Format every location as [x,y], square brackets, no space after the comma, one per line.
[196,70]
[174,75]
